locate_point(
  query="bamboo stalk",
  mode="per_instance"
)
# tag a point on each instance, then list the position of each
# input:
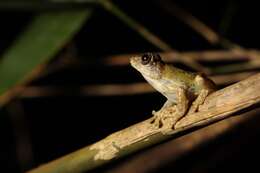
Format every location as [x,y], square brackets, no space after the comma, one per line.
[171,151]
[218,105]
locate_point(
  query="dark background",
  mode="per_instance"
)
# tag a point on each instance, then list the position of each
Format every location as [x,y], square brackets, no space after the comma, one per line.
[61,124]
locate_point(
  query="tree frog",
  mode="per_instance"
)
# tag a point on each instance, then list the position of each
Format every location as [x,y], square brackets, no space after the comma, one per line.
[185,91]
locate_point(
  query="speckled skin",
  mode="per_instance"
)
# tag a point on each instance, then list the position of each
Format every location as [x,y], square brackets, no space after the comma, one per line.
[178,86]
[167,79]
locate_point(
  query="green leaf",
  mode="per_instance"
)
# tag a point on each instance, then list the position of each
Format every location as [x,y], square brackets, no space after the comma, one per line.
[42,39]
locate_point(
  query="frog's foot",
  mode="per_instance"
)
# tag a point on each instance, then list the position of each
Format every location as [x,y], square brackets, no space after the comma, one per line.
[165,118]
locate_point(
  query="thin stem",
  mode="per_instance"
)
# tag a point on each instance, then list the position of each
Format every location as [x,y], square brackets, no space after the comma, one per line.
[205,31]
[139,28]
[156,41]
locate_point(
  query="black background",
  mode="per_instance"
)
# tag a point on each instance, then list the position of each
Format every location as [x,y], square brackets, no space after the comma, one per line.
[61,124]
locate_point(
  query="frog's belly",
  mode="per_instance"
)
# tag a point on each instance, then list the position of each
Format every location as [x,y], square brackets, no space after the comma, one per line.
[169,90]
[171,96]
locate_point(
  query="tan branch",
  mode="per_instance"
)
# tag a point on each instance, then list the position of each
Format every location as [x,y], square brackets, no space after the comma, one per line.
[175,149]
[218,105]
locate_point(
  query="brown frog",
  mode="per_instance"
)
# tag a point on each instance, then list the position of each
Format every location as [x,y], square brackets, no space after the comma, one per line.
[185,91]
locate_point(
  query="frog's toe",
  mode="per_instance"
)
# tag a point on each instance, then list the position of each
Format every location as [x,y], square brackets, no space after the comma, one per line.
[154,113]
[158,123]
[153,120]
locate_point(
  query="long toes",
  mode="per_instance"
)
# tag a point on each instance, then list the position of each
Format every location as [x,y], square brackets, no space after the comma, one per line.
[160,124]
[154,112]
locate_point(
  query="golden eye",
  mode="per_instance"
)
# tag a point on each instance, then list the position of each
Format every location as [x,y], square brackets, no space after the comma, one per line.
[145,59]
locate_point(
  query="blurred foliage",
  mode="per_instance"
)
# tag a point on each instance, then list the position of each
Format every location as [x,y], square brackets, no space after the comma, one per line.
[40,41]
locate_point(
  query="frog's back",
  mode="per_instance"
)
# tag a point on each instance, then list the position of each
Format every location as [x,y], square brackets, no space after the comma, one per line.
[192,82]
[179,76]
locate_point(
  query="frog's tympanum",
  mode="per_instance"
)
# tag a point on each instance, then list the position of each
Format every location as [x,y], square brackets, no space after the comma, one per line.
[185,91]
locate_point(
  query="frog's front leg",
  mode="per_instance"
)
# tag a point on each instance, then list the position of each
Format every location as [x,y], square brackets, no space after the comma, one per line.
[166,111]
[171,112]
[182,104]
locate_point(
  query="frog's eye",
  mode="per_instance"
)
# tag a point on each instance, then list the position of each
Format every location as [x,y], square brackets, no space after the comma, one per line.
[145,59]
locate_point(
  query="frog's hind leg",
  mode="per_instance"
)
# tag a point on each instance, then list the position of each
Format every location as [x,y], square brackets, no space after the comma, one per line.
[205,89]
[198,101]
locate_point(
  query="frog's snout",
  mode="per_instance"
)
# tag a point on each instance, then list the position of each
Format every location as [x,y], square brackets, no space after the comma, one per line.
[134,61]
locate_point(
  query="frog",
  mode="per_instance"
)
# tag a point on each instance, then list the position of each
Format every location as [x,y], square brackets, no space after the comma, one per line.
[185,91]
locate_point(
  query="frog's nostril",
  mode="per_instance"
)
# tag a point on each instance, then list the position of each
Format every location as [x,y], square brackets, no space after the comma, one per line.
[157,57]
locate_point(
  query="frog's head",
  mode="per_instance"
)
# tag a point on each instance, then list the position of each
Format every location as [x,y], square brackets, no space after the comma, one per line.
[150,65]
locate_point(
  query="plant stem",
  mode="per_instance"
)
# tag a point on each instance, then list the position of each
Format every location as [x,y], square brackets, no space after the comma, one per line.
[144,134]
[139,28]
